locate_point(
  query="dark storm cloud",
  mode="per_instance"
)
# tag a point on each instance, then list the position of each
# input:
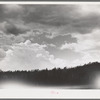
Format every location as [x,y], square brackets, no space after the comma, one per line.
[85,25]
[13,11]
[67,16]
[10,11]
[2,16]
[50,14]
[63,19]
[10,28]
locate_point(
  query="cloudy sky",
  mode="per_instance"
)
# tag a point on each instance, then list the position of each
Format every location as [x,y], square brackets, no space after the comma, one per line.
[48,36]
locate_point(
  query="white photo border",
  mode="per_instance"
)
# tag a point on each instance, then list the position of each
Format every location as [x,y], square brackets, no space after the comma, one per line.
[49,93]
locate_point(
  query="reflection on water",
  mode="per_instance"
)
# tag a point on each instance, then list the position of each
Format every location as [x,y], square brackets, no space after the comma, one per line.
[96,81]
[14,85]
[18,84]
[22,85]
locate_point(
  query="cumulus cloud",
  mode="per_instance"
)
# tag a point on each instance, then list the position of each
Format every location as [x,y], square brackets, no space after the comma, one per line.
[88,41]
[2,54]
[88,45]
[87,9]
[76,27]
[27,56]
[51,45]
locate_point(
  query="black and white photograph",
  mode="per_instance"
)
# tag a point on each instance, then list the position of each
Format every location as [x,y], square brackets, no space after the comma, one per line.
[44,46]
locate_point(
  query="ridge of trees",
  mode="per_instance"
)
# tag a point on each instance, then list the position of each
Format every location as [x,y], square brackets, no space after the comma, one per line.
[80,75]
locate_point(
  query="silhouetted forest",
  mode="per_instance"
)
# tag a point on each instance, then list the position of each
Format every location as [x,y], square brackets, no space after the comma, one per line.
[80,75]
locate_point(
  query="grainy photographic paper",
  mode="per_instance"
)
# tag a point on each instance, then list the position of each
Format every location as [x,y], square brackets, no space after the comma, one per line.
[50,46]
[49,50]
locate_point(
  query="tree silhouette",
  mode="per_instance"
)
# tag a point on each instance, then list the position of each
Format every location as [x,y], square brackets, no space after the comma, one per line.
[80,75]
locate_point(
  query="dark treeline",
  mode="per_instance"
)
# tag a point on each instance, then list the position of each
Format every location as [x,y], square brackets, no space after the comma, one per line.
[80,75]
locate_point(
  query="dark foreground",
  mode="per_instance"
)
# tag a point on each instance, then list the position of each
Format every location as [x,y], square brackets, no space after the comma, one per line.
[86,76]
